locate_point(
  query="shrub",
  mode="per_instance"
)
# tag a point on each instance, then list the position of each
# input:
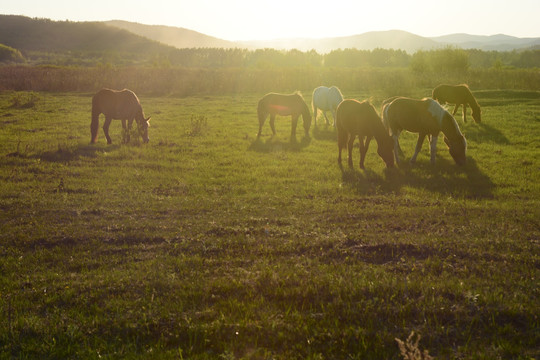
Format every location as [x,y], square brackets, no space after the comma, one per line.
[10,55]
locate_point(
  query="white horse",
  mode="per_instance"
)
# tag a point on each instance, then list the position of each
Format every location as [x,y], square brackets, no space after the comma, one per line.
[325,99]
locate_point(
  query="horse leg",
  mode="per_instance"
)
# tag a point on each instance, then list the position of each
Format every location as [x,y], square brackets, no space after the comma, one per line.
[326,117]
[262,119]
[272,126]
[315,114]
[334,116]
[106,129]
[125,131]
[464,113]
[397,148]
[94,126]
[455,109]
[349,148]
[363,150]
[130,124]
[418,147]
[293,125]
[342,139]
[433,148]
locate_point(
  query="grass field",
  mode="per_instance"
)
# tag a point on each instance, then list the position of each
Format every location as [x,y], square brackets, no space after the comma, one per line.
[208,243]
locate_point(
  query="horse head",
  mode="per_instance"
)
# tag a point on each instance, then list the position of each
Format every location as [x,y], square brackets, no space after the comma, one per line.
[386,150]
[457,149]
[143,126]
[477,116]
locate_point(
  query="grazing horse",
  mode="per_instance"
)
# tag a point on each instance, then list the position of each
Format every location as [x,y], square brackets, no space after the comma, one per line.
[283,105]
[458,95]
[326,99]
[425,117]
[120,105]
[355,118]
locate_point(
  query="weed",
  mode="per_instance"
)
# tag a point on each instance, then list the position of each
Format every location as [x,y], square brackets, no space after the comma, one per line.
[198,125]
[409,349]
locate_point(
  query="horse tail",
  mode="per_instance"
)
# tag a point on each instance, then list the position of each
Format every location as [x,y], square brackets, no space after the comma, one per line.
[94,125]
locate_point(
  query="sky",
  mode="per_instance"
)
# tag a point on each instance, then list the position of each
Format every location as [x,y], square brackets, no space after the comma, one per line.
[277,19]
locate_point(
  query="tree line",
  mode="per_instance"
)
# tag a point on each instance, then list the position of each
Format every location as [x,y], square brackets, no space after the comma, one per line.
[448,59]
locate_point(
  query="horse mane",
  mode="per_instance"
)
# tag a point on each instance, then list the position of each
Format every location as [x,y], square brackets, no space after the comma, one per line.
[299,93]
[437,110]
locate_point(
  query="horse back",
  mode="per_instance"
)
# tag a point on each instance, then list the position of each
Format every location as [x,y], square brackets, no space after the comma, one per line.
[357,118]
[411,115]
[452,94]
[122,104]
[282,104]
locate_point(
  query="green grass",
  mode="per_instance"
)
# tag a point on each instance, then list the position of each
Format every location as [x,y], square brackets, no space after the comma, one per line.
[209,243]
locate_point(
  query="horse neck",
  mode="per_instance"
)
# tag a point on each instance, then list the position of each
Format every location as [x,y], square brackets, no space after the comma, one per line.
[379,130]
[472,102]
[450,128]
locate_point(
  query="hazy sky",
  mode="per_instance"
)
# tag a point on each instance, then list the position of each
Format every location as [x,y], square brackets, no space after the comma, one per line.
[260,20]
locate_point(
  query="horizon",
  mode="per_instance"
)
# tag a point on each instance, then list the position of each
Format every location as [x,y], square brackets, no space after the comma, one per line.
[242,20]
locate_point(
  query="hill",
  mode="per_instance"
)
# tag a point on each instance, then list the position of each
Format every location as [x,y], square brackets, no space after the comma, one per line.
[498,42]
[27,34]
[392,39]
[173,36]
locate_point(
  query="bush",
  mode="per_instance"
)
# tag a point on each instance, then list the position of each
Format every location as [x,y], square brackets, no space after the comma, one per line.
[10,55]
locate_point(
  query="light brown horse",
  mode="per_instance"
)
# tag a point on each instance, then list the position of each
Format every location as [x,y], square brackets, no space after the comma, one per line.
[355,118]
[425,117]
[458,95]
[119,105]
[283,105]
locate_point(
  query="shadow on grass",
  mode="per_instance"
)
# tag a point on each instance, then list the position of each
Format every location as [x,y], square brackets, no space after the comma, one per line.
[444,178]
[71,153]
[324,133]
[273,144]
[482,133]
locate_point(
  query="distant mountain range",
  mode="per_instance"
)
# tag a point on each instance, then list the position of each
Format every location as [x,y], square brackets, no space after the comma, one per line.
[30,34]
[392,39]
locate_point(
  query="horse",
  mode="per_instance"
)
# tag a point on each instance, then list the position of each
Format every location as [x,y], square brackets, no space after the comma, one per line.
[458,95]
[119,105]
[325,99]
[355,118]
[425,117]
[283,105]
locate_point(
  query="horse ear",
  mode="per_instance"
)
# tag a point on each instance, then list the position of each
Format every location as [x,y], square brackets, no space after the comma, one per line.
[148,121]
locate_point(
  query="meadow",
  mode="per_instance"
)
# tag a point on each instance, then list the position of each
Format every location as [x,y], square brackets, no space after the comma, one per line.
[210,243]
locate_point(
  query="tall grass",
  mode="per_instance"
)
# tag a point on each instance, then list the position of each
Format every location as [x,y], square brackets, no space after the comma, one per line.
[216,81]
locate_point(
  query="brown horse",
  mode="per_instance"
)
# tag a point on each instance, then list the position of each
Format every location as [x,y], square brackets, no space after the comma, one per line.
[425,117]
[120,105]
[355,118]
[458,95]
[283,105]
